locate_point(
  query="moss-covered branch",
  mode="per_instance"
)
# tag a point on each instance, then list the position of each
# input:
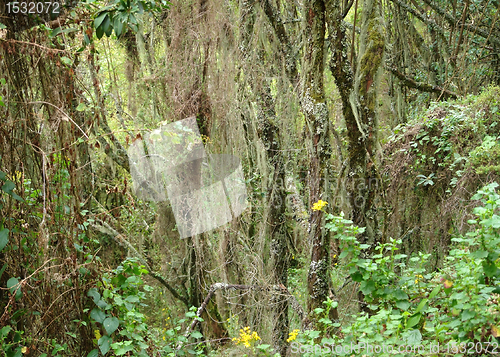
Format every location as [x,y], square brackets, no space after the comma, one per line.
[424,87]
[285,44]
[452,21]
[429,22]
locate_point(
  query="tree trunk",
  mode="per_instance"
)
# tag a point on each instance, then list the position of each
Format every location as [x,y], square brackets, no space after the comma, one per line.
[319,149]
[269,133]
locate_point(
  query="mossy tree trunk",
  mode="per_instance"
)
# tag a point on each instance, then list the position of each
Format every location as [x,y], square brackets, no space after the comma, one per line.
[313,105]
[269,133]
[359,99]
[315,110]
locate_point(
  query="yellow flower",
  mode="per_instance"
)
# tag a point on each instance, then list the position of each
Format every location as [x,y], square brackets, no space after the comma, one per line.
[318,206]
[97,334]
[293,335]
[418,278]
[247,337]
[24,349]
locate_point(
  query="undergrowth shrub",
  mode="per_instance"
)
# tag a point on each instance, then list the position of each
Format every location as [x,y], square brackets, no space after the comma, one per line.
[454,310]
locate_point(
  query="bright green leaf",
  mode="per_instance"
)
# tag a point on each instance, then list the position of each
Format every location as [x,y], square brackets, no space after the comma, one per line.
[196,334]
[412,321]
[435,292]
[104,344]
[421,305]
[403,305]
[414,337]
[93,353]
[66,61]
[14,286]
[81,107]
[111,324]
[97,315]
[99,19]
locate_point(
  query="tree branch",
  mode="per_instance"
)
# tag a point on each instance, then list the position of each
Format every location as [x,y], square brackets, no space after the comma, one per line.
[429,22]
[105,228]
[469,27]
[276,289]
[424,87]
[286,47]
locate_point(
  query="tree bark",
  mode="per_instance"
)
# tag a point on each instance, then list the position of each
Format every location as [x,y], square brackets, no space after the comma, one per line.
[269,132]
[319,149]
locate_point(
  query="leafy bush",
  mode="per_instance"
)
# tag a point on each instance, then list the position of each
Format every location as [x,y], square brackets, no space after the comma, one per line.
[454,310]
[119,325]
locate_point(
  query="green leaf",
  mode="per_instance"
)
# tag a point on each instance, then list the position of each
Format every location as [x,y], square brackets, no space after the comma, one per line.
[123,349]
[8,188]
[400,294]
[489,268]
[421,305]
[5,331]
[99,19]
[4,238]
[403,305]
[66,61]
[412,321]
[357,276]
[132,298]
[467,315]
[367,287]
[107,26]
[263,347]
[479,254]
[318,310]
[69,30]
[3,269]
[97,315]
[99,32]
[13,285]
[81,107]
[2,26]
[104,344]
[118,25]
[93,293]
[196,334]
[93,353]
[16,353]
[435,292]
[111,324]
[413,338]
[55,32]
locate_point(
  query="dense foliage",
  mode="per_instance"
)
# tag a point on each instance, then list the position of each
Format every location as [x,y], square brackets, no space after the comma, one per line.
[368,136]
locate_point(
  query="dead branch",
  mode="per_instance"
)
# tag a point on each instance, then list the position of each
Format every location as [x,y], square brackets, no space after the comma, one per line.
[275,289]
